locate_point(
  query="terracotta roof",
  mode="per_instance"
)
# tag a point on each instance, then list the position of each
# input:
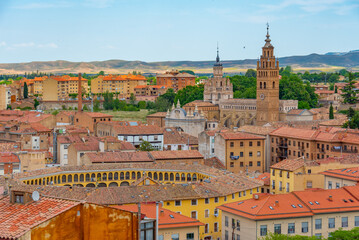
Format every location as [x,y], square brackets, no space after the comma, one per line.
[98,115]
[297,111]
[319,201]
[176,155]
[324,91]
[214,162]
[9,147]
[118,157]
[268,206]
[17,219]
[111,77]
[351,174]
[138,130]
[260,130]
[151,86]
[199,103]
[86,146]
[289,164]
[239,136]
[38,127]
[75,139]
[166,218]
[265,178]
[9,158]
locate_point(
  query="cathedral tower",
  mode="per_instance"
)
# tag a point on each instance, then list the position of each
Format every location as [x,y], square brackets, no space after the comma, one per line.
[218,87]
[267,85]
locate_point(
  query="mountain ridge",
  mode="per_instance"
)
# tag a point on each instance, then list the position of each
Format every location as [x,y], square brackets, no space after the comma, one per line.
[311,61]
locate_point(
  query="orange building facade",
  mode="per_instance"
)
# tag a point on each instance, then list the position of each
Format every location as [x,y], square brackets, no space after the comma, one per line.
[176,80]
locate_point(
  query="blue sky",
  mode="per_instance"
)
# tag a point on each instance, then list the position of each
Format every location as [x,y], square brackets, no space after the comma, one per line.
[171,30]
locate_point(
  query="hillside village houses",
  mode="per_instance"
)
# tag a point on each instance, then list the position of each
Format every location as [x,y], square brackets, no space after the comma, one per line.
[217,168]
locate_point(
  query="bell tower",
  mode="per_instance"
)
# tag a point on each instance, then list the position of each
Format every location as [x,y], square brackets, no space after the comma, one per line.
[267,85]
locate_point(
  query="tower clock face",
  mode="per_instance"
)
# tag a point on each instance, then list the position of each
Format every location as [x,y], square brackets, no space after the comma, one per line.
[262,96]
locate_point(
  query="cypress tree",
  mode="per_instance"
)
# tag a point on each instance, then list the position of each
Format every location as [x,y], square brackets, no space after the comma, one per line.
[331,112]
[26,90]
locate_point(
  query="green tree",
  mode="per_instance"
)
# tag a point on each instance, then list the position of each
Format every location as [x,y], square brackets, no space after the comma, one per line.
[335,89]
[244,87]
[353,120]
[101,73]
[85,108]
[36,103]
[189,94]
[132,98]
[351,112]
[170,96]
[349,95]
[96,106]
[55,112]
[273,236]
[341,234]
[162,104]
[26,90]
[108,101]
[141,104]
[331,111]
[187,71]
[251,73]
[146,146]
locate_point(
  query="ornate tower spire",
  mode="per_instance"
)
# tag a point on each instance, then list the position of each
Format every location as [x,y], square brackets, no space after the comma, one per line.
[218,62]
[268,44]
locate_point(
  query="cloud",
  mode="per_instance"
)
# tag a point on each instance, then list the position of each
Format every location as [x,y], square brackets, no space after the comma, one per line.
[42,5]
[22,45]
[29,45]
[98,3]
[2,44]
[48,45]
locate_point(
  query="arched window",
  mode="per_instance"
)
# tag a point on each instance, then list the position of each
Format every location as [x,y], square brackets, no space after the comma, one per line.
[133,175]
[188,177]
[265,85]
[104,177]
[177,177]
[98,177]
[183,177]
[160,176]
[138,175]
[115,177]
[35,181]
[155,176]
[260,85]
[150,175]
[166,176]
[76,178]
[127,175]
[194,177]
[82,177]
[122,176]
[273,84]
[110,175]
[63,178]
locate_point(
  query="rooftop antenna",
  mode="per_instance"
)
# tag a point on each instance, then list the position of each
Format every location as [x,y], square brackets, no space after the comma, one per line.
[35,196]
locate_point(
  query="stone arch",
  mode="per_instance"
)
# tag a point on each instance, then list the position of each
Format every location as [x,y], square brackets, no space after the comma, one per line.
[93,177]
[90,185]
[155,176]
[149,175]
[79,185]
[127,175]
[110,176]
[125,183]
[115,176]
[67,185]
[194,177]
[113,184]
[177,177]
[104,177]
[253,121]
[98,177]
[227,122]
[102,185]
[183,177]
[122,176]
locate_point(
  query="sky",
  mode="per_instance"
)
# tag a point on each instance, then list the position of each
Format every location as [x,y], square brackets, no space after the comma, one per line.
[173,30]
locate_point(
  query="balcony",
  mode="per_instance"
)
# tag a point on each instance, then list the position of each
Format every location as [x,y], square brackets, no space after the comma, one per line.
[339,149]
[282,145]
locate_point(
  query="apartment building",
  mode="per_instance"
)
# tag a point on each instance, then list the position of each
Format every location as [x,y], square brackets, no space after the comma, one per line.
[240,152]
[337,178]
[300,174]
[5,96]
[312,144]
[58,88]
[121,85]
[314,212]
[150,90]
[176,80]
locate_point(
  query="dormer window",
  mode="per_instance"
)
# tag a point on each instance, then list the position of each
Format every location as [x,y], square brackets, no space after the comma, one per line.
[19,198]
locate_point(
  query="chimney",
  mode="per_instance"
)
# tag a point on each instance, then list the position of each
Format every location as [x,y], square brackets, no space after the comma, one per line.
[79,96]
[276,203]
[162,213]
[330,198]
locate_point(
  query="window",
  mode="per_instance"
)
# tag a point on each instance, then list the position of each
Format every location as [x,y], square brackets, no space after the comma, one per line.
[147,230]
[194,202]
[19,198]
[241,144]
[238,237]
[226,221]
[241,154]
[190,236]
[273,184]
[216,199]
[318,223]
[231,144]
[226,235]
[287,187]
[231,164]
[206,213]
[304,227]
[65,156]
[178,203]
[250,154]
[356,221]
[258,153]
[174,236]
[206,200]
[330,186]
[233,196]
[244,193]
[258,143]
[318,235]
[225,198]
[309,184]
[273,172]
[344,222]
[277,229]
[238,225]
[250,144]
[258,163]
[215,227]
[331,222]
[250,163]
[231,154]
[291,228]
[337,185]
[263,230]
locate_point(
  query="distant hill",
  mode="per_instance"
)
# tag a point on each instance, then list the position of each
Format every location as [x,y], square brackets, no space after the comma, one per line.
[313,61]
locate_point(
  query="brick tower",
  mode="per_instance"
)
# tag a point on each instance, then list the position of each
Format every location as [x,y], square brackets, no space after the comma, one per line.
[267,85]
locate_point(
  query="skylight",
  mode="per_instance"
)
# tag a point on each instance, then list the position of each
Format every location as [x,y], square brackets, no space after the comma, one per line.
[344,169]
[316,202]
[299,205]
[311,203]
[345,200]
[293,206]
[348,170]
[271,208]
[240,203]
[351,200]
[171,216]
[354,172]
[254,206]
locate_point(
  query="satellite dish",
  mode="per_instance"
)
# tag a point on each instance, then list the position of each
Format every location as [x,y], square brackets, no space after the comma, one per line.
[35,196]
